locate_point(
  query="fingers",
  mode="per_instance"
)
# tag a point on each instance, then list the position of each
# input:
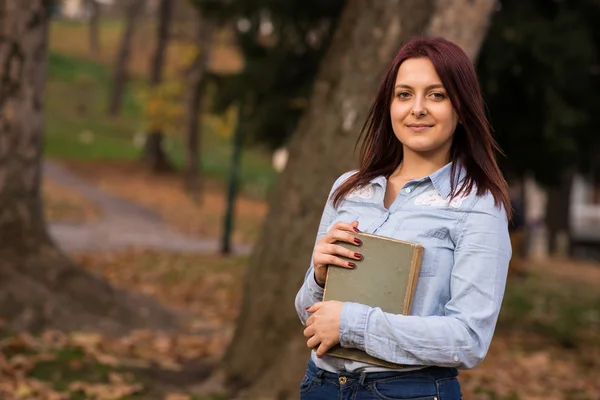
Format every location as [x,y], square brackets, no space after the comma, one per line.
[309,331]
[341,251]
[313,342]
[315,307]
[329,254]
[342,232]
[345,226]
[323,347]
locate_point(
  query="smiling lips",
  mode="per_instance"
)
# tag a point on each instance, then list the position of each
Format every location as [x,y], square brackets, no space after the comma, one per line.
[419,127]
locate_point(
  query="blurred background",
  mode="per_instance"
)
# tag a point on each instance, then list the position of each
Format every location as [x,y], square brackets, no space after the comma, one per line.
[168,125]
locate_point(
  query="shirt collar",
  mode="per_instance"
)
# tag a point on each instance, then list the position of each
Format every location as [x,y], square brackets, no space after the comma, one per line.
[440,179]
[380,180]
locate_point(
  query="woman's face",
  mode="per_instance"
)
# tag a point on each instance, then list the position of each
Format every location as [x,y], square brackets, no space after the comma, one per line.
[422,115]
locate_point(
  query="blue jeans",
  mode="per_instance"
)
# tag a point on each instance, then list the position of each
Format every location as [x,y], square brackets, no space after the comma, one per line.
[431,383]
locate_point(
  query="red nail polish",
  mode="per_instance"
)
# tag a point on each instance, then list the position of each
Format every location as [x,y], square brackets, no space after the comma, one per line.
[307,308]
[356,230]
[358,255]
[357,241]
[351,264]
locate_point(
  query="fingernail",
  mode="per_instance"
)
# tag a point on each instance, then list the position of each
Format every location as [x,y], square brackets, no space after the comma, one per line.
[356,230]
[307,308]
[357,241]
[358,255]
[351,264]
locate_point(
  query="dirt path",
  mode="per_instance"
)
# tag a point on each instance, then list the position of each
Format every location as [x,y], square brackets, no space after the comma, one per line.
[123,224]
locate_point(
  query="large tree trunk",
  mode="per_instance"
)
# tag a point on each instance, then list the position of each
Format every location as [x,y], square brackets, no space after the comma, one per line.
[39,286]
[94,27]
[268,353]
[120,74]
[196,72]
[155,156]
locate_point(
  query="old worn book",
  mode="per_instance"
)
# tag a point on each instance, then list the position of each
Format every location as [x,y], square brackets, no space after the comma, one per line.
[386,277]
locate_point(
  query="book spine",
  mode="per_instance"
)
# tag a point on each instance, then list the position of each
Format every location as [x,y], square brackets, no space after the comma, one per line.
[415,270]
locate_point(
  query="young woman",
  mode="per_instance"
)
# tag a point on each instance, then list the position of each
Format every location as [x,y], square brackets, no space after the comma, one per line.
[427,175]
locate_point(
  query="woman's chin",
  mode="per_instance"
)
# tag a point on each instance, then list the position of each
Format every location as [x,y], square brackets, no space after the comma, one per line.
[421,148]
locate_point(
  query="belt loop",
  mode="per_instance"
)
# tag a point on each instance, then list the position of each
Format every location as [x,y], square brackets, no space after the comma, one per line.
[319,378]
[361,381]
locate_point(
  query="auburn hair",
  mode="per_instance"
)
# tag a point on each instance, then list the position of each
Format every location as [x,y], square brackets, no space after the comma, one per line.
[473,146]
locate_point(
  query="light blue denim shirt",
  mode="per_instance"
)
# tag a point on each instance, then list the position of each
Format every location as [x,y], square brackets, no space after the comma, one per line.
[460,287]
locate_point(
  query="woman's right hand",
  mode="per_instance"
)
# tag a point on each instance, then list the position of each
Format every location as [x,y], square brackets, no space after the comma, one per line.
[327,252]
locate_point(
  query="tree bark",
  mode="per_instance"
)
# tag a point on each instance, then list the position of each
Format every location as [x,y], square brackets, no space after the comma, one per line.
[94,27]
[155,156]
[268,353]
[39,286]
[595,173]
[196,72]
[558,216]
[120,75]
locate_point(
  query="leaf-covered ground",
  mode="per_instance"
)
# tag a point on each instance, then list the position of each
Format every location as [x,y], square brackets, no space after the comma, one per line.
[143,365]
[547,343]
[63,204]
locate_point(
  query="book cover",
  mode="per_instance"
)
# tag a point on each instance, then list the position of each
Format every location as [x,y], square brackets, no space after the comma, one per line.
[386,277]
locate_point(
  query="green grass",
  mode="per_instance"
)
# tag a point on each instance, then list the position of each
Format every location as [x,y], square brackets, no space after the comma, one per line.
[76,100]
[567,312]
[71,364]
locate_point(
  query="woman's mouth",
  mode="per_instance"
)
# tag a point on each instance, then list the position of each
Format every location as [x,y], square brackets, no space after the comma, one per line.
[419,127]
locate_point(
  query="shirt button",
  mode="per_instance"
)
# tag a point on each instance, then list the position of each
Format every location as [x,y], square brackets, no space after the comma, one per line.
[455,358]
[407,190]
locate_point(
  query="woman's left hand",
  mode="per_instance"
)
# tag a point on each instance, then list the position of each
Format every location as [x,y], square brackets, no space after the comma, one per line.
[323,327]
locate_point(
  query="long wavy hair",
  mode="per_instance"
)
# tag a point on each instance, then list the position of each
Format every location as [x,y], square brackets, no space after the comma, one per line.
[473,146]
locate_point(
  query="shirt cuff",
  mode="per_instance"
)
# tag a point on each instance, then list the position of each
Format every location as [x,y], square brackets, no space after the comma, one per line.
[316,290]
[353,325]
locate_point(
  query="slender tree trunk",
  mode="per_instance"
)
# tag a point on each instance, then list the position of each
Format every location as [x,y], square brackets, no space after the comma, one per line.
[268,353]
[558,212]
[120,75]
[196,72]
[94,27]
[595,173]
[155,156]
[39,286]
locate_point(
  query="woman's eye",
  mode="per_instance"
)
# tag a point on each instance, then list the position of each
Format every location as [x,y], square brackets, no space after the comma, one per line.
[438,96]
[403,95]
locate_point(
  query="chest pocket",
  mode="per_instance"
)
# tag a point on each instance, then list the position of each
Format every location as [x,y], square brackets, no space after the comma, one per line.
[356,207]
[346,216]
[438,248]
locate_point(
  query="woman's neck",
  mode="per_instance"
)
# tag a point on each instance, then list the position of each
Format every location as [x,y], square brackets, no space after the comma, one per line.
[419,165]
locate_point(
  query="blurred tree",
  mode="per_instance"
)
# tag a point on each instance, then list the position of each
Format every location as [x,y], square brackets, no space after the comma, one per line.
[368,35]
[94,21]
[133,10]
[39,286]
[539,72]
[282,43]
[195,80]
[155,156]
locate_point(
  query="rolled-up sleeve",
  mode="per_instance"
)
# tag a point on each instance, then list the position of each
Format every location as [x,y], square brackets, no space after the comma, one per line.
[311,292]
[462,336]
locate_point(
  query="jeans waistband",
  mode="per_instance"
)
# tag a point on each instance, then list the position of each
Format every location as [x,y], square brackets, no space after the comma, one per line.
[432,372]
